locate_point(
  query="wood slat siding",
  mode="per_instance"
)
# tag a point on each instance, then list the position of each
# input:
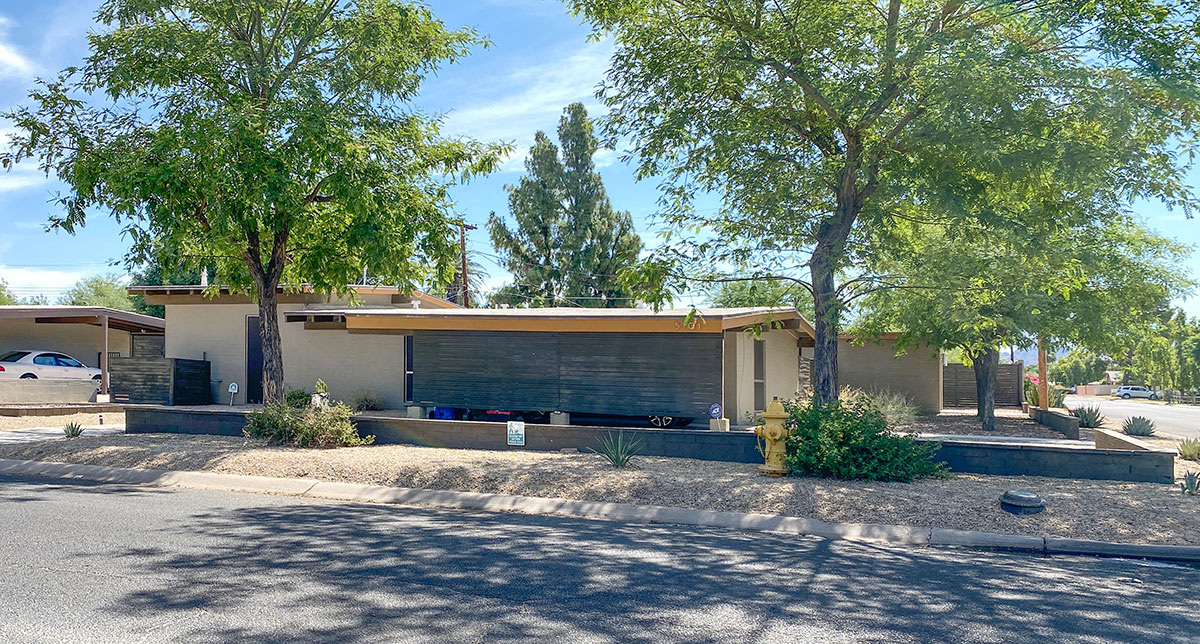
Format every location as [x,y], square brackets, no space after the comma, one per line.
[161,381]
[602,373]
[147,346]
[958,385]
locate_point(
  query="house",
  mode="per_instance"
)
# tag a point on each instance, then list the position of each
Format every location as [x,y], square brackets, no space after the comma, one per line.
[427,352]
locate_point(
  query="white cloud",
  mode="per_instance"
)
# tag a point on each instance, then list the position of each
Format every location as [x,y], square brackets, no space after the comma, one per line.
[544,90]
[21,177]
[12,63]
[28,282]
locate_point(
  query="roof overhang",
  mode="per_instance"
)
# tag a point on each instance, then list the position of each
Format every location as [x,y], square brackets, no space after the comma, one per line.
[89,315]
[551,320]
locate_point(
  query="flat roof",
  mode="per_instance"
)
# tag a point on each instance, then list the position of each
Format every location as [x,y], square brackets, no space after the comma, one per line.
[706,320]
[91,315]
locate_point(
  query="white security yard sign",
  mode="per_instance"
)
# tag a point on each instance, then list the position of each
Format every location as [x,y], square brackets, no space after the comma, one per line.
[516,432]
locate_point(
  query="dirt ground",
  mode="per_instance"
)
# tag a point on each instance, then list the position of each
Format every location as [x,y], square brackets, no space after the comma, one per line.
[1103,510]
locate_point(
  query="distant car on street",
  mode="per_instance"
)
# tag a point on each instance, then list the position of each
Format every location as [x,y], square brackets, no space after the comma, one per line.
[33,364]
[1135,391]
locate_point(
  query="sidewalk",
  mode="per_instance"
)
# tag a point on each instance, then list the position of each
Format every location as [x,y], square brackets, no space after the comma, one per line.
[35,434]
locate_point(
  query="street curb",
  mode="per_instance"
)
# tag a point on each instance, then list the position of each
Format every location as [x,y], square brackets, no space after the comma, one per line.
[623,512]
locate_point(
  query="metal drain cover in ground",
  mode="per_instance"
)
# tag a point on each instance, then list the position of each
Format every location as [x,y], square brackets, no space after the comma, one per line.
[1021,502]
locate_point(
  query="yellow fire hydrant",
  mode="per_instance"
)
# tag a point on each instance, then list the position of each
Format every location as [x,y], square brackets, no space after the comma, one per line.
[771,434]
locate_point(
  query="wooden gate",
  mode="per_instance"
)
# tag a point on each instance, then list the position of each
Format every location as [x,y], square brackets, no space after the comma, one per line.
[958,385]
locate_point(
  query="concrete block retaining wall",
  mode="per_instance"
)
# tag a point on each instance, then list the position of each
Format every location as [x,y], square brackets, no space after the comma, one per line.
[1009,459]
[46,390]
[1065,424]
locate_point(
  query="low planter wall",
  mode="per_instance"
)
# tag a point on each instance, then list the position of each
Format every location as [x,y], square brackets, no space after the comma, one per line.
[46,390]
[1006,459]
[58,409]
[1065,424]
[1109,439]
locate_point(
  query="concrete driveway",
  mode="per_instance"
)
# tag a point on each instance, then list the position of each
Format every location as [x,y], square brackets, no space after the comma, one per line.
[34,434]
[1179,420]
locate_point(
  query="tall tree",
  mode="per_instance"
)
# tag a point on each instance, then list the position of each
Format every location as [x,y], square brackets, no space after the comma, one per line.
[1079,367]
[156,274]
[821,124]
[99,290]
[762,293]
[568,245]
[274,141]
[978,288]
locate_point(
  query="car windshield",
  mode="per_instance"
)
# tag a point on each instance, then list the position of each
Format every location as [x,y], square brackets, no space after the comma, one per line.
[13,356]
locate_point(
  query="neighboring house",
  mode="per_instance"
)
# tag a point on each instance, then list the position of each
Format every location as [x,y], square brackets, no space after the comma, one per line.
[428,352]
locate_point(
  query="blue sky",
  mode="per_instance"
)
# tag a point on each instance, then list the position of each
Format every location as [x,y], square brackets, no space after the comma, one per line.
[540,60]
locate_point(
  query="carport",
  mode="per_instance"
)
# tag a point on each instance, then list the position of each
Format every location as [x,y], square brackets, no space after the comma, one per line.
[22,328]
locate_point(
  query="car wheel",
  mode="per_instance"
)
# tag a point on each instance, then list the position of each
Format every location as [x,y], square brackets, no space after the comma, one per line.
[1153,396]
[1125,396]
[29,376]
[95,377]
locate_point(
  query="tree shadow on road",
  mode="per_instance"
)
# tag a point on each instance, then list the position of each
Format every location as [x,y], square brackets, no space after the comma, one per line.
[353,573]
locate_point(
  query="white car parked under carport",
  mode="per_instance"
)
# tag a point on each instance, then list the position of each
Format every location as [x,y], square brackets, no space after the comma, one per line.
[33,363]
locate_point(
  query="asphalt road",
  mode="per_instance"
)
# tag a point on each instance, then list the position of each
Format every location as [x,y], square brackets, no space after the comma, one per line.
[83,562]
[1180,420]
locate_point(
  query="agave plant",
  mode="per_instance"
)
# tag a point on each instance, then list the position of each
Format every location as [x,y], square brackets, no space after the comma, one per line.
[1089,416]
[1138,426]
[72,430]
[618,450]
[1190,484]
[1189,449]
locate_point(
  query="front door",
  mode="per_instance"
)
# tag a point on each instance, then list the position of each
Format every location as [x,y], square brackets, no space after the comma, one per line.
[254,361]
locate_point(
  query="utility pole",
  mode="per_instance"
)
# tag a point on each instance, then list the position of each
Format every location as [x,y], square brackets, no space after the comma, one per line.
[463,227]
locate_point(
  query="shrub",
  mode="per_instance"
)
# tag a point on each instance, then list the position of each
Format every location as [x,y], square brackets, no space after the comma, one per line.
[366,400]
[328,426]
[320,387]
[298,399]
[1055,395]
[1189,449]
[897,409]
[1089,416]
[618,451]
[850,440]
[73,430]
[1138,426]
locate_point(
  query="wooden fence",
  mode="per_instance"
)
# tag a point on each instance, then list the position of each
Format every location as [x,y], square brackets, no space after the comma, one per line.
[161,381]
[958,385]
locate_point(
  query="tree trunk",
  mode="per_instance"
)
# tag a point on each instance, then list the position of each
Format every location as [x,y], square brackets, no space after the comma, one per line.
[272,345]
[828,313]
[986,365]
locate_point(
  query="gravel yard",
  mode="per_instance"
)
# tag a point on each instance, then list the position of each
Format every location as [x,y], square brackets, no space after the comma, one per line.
[1104,510]
[1010,421]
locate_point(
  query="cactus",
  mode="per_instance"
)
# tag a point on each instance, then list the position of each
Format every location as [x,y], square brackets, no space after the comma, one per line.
[1190,485]
[1089,416]
[72,430]
[1138,426]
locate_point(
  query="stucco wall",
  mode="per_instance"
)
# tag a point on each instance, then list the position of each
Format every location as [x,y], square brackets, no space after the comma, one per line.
[80,341]
[346,362]
[917,373]
[781,371]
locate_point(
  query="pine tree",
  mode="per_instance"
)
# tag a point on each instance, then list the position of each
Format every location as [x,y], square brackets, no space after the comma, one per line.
[568,244]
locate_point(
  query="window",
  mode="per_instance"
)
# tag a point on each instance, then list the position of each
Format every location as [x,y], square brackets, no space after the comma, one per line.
[760,375]
[408,368]
[13,356]
[46,360]
[68,361]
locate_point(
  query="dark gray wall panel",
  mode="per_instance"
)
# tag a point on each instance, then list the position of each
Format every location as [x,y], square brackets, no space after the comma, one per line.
[605,373]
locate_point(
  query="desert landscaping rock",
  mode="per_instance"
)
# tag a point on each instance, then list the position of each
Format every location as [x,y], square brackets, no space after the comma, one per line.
[1095,510]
